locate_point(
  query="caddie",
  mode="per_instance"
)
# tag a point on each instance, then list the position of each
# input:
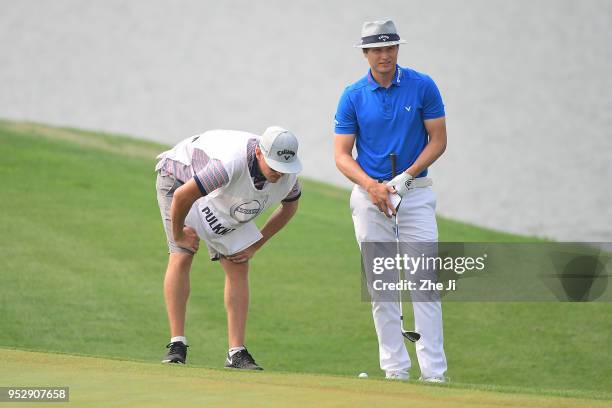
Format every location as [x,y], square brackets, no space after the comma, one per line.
[398,110]
[211,187]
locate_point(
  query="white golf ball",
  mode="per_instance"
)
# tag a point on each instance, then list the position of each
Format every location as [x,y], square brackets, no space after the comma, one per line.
[363,375]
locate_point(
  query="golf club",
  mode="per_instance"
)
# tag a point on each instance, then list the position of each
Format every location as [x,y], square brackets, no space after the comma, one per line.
[410,335]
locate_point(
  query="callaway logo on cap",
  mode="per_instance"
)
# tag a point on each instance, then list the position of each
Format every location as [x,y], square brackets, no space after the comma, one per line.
[279,147]
[287,154]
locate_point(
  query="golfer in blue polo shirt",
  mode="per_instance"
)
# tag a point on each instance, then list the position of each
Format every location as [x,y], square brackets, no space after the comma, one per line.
[394,110]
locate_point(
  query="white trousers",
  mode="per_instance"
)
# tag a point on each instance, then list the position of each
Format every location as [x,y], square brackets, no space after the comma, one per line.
[417,222]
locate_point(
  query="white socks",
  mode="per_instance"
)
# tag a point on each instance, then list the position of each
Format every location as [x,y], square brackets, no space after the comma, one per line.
[231,352]
[179,338]
[234,350]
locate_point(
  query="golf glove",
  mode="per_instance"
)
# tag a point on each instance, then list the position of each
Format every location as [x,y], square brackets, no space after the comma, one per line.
[401,183]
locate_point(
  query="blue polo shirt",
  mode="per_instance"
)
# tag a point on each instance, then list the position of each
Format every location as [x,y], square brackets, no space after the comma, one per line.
[389,120]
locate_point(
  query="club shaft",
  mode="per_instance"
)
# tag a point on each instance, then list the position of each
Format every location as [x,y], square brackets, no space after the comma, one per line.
[412,336]
[393,159]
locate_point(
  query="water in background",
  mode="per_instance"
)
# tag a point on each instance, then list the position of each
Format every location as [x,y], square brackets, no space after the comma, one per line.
[526,84]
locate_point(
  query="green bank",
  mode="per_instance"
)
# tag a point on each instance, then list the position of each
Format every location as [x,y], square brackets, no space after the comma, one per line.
[82,257]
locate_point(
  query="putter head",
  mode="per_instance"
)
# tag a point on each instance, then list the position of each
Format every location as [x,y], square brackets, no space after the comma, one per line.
[411,336]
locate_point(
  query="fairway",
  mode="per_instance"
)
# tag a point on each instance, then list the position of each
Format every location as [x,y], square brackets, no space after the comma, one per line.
[82,259]
[96,382]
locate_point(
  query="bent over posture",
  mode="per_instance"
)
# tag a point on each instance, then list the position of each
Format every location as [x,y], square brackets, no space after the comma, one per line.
[211,187]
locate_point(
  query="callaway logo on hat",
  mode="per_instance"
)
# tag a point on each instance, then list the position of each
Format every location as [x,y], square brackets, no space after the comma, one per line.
[279,147]
[379,34]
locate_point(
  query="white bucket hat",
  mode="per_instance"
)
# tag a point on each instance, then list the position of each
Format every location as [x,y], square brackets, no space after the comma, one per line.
[279,147]
[379,34]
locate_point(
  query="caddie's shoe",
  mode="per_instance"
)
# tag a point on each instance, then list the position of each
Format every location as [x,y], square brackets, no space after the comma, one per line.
[434,380]
[177,353]
[397,375]
[241,360]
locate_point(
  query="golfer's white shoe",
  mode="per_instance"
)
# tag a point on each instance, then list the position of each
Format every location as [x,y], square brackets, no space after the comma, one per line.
[397,375]
[435,380]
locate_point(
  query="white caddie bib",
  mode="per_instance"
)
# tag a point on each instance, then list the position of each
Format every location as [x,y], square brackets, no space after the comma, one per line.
[224,218]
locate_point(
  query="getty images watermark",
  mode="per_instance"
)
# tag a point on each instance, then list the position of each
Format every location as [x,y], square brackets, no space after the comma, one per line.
[486,271]
[406,264]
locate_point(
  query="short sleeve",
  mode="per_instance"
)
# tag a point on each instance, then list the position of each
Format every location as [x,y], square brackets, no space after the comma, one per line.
[433,107]
[346,119]
[211,177]
[294,194]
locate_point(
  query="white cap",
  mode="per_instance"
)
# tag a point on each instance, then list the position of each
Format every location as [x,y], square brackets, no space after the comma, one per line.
[279,147]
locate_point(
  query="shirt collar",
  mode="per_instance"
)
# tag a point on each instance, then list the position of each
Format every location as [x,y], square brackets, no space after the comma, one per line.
[397,79]
[254,170]
[252,159]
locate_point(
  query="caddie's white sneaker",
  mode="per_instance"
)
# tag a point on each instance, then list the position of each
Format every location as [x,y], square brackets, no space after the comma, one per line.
[435,380]
[397,375]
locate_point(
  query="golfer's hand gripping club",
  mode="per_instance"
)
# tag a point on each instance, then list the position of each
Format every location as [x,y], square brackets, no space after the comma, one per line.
[379,195]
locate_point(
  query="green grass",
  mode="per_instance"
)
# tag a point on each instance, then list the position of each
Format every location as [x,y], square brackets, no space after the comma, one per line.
[82,258]
[97,382]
